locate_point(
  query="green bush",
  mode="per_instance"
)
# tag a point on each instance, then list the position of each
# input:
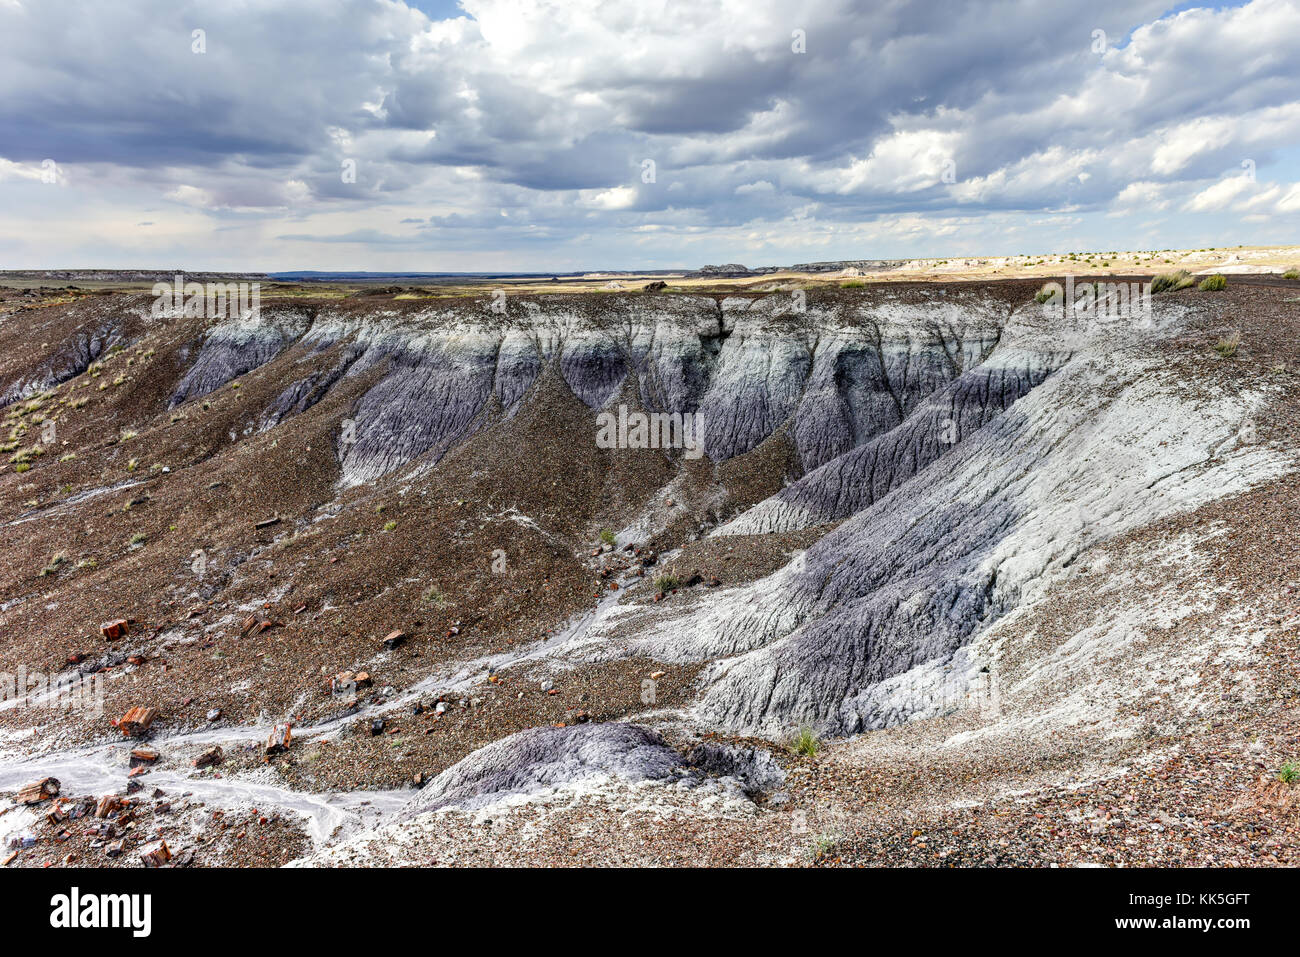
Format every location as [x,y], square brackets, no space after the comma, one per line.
[1171,281]
[1291,274]
[823,846]
[1290,773]
[1213,283]
[1227,348]
[606,537]
[666,583]
[806,741]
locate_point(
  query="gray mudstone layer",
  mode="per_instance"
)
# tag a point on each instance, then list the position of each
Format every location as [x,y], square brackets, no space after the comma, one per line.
[104,323]
[840,373]
[73,357]
[235,348]
[903,582]
[850,482]
[539,758]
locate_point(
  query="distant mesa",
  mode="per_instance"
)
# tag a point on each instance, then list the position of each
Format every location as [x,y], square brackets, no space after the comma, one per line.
[849,267]
[729,271]
[128,275]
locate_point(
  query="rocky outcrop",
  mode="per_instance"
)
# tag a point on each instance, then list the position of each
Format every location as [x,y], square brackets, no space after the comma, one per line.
[548,757]
[727,271]
[855,479]
[41,348]
[303,393]
[234,348]
[912,576]
[73,358]
[841,371]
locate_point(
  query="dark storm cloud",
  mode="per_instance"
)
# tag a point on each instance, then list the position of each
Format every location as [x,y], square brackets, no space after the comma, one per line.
[749,112]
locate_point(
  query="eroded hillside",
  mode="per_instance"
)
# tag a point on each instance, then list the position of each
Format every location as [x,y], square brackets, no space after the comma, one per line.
[992,558]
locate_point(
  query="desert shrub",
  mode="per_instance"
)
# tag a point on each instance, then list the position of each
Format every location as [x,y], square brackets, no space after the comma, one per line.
[1213,283]
[1171,281]
[823,846]
[606,537]
[1227,348]
[1291,274]
[666,583]
[1290,773]
[806,741]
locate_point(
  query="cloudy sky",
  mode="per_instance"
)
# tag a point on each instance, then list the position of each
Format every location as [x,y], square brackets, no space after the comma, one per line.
[535,135]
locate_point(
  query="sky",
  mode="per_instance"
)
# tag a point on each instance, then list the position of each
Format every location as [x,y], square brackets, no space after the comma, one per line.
[527,135]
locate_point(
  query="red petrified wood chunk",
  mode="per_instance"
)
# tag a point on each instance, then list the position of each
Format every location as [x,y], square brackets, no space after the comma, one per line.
[112,630]
[42,790]
[137,721]
[278,742]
